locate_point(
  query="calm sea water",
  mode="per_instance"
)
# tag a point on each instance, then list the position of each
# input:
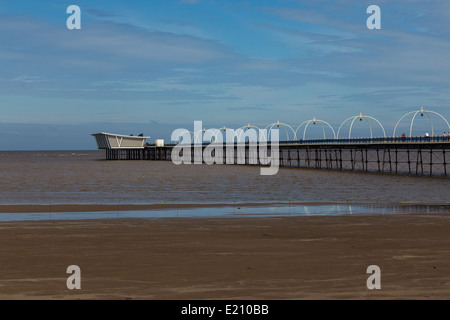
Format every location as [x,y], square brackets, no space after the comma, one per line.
[50,177]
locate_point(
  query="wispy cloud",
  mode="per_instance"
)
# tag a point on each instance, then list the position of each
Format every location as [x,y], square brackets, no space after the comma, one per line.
[190,1]
[227,62]
[100,13]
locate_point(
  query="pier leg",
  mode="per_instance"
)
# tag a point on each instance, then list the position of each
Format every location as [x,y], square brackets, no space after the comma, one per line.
[378,160]
[396,160]
[367,161]
[390,160]
[431,161]
[362,159]
[307,159]
[353,158]
[317,159]
[419,161]
[409,160]
[445,164]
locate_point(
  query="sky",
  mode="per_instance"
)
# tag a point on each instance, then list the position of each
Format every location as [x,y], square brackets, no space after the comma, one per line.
[154,66]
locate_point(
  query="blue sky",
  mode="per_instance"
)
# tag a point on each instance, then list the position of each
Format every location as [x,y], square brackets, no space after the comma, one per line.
[155,66]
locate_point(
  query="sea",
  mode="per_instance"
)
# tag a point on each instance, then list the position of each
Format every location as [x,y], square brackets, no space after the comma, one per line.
[85,177]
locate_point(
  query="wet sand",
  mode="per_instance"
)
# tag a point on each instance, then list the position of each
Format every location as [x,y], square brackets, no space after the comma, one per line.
[323,257]
[46,208]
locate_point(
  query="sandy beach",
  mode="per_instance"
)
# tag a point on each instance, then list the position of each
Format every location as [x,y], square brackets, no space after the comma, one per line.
[323,257]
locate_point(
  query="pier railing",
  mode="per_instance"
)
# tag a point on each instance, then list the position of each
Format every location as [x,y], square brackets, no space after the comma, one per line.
[416,139]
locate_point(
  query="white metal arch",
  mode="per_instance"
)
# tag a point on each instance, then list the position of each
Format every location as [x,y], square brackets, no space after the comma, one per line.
[197,138]
[422,112]
[314,121]
[360,116]
[285,126]
[249,126]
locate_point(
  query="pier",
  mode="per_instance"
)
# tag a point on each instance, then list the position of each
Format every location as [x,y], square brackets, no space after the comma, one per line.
[405,154]
[402,156]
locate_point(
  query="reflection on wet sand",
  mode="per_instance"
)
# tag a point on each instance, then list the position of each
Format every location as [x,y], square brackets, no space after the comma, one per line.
[81,212]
